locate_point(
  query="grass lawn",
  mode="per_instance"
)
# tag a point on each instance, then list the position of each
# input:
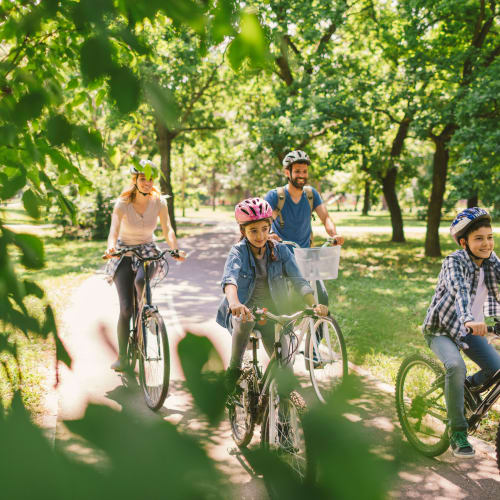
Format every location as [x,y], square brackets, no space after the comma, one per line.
[380,299]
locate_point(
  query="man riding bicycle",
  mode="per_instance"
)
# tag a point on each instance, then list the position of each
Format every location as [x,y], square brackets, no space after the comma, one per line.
[294,206]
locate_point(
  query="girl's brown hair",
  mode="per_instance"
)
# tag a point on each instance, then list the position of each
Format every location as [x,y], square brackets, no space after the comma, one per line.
[129,194]
[270,241]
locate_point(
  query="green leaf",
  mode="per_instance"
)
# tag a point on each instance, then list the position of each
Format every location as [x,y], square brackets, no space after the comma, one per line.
[79,99]
[96,57]
[12,183]
[61,352]
[31,203]
[236,53]
[202,367]
[162,100]
[91,142]
[58,130]
[29,107]
[33,255]
[49,323]
[33,289]
[67,206]
[125,89]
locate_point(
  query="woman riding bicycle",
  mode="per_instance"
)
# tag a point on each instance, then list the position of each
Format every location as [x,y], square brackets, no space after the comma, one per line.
[255,274]
[467,290]
[134,219]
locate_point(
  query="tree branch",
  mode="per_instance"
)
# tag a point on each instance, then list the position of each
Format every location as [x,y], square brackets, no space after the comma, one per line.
[190,129]
[385,112]
[319,133]
[198,95]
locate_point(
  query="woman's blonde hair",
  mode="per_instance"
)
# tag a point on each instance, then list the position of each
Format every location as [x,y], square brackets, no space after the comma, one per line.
[128,195]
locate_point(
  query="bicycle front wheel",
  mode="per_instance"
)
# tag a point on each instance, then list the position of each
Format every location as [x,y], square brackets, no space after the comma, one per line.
[154,360]
[421,405]
[282,430]
[326,356]
[242,411]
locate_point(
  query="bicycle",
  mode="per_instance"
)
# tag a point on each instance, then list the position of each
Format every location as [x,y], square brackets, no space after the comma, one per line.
[257,400]
[148,340]
[421,405]
[325,352]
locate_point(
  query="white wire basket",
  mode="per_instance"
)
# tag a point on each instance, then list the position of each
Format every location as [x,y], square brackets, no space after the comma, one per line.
[319,263]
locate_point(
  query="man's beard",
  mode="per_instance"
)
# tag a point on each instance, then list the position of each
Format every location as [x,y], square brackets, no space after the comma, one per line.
[297,184]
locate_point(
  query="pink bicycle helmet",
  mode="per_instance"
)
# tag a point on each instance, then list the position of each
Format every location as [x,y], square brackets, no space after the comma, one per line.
[251,210]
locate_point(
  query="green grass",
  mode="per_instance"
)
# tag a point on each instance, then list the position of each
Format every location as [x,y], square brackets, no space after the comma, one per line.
[380,300]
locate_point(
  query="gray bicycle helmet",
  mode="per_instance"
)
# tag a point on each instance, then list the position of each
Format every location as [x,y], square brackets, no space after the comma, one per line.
[296,156]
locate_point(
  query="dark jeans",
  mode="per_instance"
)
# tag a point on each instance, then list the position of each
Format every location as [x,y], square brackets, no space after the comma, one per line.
[482,353]
[125,279]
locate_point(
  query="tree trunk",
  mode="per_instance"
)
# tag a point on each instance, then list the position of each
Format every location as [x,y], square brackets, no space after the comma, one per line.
[214,190]
[391,198]
[439,172]
[473,201]
[165,138]
[366,199]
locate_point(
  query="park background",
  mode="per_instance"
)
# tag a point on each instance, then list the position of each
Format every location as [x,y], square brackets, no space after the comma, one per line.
[395,102]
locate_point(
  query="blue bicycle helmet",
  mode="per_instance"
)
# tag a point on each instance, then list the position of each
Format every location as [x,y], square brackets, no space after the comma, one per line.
[464,219]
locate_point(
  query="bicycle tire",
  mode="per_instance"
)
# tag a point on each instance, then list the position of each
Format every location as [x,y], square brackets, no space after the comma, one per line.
[326,361]
[421,405]
[282,430]
[242,412]
[154,365]
[498,447]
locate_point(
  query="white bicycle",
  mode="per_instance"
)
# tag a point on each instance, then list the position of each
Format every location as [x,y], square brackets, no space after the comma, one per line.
[325,352]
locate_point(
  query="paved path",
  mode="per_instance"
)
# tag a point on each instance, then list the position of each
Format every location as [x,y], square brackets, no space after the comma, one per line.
[188,300]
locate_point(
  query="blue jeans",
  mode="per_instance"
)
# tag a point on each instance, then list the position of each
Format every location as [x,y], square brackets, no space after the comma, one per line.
[482,353]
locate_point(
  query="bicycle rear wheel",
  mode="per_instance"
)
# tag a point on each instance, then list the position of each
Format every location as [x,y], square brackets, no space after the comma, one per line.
[326,356]
[421,405]
[154,360]
[282,430]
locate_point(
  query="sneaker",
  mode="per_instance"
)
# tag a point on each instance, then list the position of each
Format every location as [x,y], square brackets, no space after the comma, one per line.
[120,365]
[460,446]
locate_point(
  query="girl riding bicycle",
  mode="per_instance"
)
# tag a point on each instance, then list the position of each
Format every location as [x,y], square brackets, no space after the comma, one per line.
[255,274]
[134,219]
[467,290]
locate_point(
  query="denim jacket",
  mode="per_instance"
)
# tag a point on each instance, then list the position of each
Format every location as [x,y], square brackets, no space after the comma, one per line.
[455,292]
[240,270]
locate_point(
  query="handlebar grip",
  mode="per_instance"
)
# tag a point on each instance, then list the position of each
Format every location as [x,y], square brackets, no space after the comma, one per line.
[490,329]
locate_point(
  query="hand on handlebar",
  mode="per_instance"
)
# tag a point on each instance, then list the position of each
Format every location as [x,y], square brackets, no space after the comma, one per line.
[181,255]
[476,328]
[108,254]
[337,239]
[238,310]
[274,236]
[320,310]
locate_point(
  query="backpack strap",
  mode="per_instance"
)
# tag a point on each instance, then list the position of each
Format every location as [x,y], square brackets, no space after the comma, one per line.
[310,199]
[281,201]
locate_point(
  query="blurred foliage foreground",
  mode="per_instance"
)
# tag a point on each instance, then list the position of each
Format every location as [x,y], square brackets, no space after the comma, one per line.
[156,459]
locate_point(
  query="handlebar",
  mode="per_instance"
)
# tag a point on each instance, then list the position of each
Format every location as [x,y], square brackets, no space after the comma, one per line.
[173,253]
[261,313]
[329,241]
[490,329]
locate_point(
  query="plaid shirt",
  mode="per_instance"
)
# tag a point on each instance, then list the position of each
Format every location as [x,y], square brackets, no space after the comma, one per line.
[455,292]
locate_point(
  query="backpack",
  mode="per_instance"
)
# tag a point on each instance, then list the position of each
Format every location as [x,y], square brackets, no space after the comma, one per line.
[281,201]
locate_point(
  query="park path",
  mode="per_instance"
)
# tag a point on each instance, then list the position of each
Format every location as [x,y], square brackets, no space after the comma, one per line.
[188,300]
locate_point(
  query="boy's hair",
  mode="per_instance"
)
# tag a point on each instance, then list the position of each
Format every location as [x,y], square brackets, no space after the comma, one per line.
[474,227]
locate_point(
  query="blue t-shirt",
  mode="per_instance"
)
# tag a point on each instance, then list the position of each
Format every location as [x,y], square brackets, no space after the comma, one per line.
[296,216]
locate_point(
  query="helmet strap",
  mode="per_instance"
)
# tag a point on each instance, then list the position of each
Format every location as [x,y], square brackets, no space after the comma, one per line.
[143,194]
[469,251]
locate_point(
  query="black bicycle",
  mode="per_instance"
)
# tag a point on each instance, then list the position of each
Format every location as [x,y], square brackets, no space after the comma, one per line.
[148,340]
[421,405]
[257,399]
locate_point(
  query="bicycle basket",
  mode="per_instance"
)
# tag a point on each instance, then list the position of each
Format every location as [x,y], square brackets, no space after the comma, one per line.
[321,263]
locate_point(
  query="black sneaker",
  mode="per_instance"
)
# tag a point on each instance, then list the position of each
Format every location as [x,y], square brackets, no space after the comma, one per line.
[460,446]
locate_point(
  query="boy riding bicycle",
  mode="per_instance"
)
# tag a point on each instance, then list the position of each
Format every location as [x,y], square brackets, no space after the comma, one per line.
[466,290]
